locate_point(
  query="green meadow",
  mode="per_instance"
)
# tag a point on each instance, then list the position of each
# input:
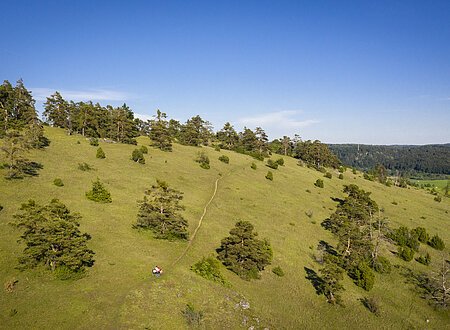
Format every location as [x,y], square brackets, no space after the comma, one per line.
[438,184]
[119,292]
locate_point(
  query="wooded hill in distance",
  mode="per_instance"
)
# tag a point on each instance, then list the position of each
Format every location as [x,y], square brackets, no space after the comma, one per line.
[410,160]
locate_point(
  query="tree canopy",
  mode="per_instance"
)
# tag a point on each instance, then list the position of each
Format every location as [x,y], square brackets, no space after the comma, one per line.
[243,253]
[159,211]
[52,237]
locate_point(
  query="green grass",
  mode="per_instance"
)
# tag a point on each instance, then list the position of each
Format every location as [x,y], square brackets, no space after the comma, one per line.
[438,184]
[119,291]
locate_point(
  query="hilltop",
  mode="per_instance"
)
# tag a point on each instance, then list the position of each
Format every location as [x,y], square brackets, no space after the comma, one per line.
[119,291]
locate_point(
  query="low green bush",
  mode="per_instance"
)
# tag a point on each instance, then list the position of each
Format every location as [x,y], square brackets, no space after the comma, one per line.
[341,176]
[425,260]
[328,175]
[421,234]
[278,271]
[280,161]
[100,153]
[203,160]
[224,159]
[319,183]
[405,253]
[272,164]
[269,176]
[85,167]
[253,166]
[209,268]
[137,156]
[58,182]
[381,265]
[436,243]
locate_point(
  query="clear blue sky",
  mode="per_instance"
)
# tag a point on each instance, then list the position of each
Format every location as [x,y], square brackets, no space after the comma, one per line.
[373,72]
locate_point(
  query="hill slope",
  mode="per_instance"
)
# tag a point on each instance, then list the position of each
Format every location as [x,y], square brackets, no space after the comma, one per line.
[410,159]
[119,291]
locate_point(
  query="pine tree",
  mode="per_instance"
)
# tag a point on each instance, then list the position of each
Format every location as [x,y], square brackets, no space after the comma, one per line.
[248,140]
[14,147]
[287,145]
[228,137]
[100,153]
[261,141]
[159,132]
[98,193]
[17,112]
[159,212]
[352,223]
[123,127]
[332,274]
[195,132]
[316,154]
[57,111]
[243,253]
[52,237]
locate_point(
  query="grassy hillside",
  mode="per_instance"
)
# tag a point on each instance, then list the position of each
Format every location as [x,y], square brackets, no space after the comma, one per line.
[119,291]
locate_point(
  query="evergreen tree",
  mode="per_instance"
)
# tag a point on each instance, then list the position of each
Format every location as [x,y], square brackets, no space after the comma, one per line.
[195,132]
[380,173]
[17,112]
[14,147]
[174,129]
[123,127]
[100,153]
[316,154]
[159,212]
[228,137]
[261,141]
[57,111]
[243,253]
[6,107]
[98,193]
[248,140]
[159,132]
[52,237]
[287,145]
[332,274]
[352,223]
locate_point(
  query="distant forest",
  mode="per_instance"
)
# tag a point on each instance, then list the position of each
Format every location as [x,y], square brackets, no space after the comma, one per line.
[407,159]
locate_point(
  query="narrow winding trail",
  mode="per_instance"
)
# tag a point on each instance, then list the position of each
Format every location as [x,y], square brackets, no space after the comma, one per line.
[199,224]
[116,319]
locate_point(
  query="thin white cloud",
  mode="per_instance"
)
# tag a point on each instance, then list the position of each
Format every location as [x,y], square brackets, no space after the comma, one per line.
[143,116]
[279,119]
[41,94]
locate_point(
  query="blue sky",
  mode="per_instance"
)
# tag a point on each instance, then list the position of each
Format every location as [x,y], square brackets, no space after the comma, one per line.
[374,72]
